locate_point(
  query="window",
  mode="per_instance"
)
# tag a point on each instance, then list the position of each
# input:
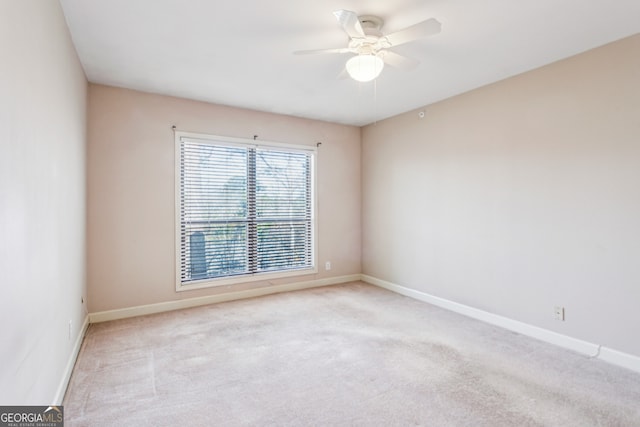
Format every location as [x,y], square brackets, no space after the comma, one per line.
[245,210]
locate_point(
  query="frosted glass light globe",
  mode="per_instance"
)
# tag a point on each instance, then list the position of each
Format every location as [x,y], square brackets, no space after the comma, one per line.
[364,68]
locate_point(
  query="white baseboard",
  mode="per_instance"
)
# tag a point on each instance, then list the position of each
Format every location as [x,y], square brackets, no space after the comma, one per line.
[619,358]
[589,349]
[62,388]
[103,316]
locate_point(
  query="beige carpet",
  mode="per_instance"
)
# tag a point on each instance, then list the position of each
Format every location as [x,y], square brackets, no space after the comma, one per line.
[349,355]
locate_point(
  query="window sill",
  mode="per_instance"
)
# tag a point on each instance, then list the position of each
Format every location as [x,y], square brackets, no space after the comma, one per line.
[247,278]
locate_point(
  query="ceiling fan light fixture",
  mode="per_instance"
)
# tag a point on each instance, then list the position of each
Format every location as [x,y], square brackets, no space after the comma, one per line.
[364,68]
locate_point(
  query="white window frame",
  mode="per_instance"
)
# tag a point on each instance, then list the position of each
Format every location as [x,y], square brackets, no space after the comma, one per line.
[250,277]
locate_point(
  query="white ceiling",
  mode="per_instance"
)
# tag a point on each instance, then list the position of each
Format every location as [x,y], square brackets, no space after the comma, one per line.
[239,52]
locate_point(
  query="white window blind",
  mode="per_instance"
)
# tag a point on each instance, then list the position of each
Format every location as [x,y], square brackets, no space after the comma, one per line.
[244,209]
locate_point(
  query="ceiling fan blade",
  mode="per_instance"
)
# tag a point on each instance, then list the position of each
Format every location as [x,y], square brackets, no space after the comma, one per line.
[319,51]
[342,75]
[399,61]
[350,23]
[421,29]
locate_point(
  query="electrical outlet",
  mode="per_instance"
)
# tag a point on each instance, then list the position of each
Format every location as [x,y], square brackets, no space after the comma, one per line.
[327,265]
[559,312]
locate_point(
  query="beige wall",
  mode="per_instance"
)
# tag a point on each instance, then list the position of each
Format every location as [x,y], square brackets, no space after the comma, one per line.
[131,248]
[42,200]
[518,197]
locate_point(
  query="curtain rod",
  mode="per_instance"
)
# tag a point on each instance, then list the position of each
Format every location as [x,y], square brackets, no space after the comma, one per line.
[255,137]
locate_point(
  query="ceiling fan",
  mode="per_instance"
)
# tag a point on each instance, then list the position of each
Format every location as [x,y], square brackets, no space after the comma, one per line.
[371,46]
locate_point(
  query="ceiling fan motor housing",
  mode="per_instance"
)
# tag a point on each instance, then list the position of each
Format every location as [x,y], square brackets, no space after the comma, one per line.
[373,41]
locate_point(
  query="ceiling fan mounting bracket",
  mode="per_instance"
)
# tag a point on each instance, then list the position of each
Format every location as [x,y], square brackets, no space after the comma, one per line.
[371,25]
